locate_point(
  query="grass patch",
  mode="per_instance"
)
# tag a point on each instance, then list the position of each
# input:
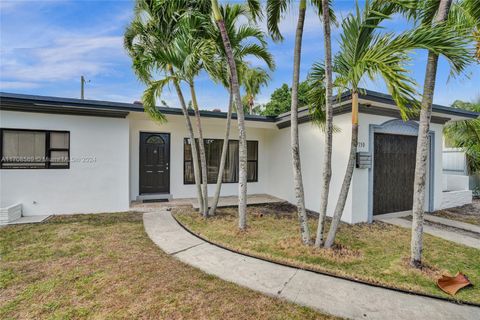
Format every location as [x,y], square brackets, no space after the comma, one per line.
[104,266]
[377,252]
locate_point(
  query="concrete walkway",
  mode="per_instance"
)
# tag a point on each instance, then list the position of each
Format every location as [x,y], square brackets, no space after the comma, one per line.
[226,201]
[327,294]
[458,237]
[29,219]
[232,201]
[453,223]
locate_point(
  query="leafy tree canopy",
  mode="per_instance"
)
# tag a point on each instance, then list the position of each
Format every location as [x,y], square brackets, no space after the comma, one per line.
[281,98]
[466,135]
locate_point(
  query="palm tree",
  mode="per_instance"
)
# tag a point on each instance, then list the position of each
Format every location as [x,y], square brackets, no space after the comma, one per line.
[253,79]
[327,153]
[275,10]
[193,47]
[365,52]
[242,180]
[149,41]
[433,15]
[246,40]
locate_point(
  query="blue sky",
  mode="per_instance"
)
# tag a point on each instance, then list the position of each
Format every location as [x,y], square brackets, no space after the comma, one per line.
[46,45]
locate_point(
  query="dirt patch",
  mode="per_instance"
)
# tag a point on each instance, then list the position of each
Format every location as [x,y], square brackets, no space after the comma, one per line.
[426,269]
[469,213]
[343,253]
[468,209]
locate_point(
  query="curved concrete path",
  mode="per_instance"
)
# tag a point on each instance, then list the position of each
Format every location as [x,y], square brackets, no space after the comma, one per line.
[330,295]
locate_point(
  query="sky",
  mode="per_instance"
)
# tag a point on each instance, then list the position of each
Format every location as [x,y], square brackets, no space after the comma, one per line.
[45,46]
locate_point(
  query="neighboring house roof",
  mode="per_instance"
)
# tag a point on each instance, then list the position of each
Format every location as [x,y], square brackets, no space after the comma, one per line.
[46,104]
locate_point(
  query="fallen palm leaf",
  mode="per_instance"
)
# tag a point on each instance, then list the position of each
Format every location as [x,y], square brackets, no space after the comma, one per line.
[451,285]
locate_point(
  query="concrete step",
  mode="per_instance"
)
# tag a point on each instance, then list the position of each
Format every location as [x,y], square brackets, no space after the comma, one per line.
[154,196]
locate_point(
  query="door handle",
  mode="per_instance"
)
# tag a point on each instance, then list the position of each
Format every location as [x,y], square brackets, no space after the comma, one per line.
[149,171]
[160,171]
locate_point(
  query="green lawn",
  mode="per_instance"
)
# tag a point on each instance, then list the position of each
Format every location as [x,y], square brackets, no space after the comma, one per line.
[104,266]
[376,252]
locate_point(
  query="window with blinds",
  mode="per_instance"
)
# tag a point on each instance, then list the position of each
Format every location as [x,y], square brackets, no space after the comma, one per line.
[34,149]
[213,153]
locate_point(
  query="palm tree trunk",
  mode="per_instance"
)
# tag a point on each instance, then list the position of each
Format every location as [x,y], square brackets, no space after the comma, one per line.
[242,176]
[418,208]
[297,169]
[223,158]
[250,104]
[201,146]
[196,170]
[342,198]
[327,156]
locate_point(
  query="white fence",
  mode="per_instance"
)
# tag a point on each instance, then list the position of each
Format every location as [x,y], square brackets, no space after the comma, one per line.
[454,161]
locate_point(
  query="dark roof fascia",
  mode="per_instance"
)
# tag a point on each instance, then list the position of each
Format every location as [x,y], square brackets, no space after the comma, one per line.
[386,98]
[67,110]
[216,114]
[393,113]
[55,105]
[374,96]
[35,103]
[14,101]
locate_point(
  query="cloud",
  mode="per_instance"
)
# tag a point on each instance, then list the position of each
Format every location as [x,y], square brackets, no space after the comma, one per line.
[46,51]
[9,85]
[64,59]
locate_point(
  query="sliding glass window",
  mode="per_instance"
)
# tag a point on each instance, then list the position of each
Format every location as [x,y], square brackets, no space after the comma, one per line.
[213,152]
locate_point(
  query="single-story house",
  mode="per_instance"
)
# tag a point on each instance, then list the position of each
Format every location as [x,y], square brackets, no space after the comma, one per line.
[63,156]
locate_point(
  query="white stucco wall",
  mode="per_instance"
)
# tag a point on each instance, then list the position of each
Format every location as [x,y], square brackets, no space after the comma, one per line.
[311,153]
[455,182]
[311,149]
[361,184]
[213,128]
[112,180]
[456,198]
[97,186]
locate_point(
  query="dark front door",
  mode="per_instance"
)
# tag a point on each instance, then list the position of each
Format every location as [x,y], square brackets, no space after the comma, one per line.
[154,162]
[393,174]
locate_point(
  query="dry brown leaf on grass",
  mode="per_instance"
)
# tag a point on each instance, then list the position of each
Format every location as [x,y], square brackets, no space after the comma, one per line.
[451,285]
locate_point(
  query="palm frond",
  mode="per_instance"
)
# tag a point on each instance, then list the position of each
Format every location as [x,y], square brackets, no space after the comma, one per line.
[246,39]
[319,6]
[366,52]
[316,96]
[253,79]
[464,17]
[275,10]
[257,51]
[149,99]
[255,9]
